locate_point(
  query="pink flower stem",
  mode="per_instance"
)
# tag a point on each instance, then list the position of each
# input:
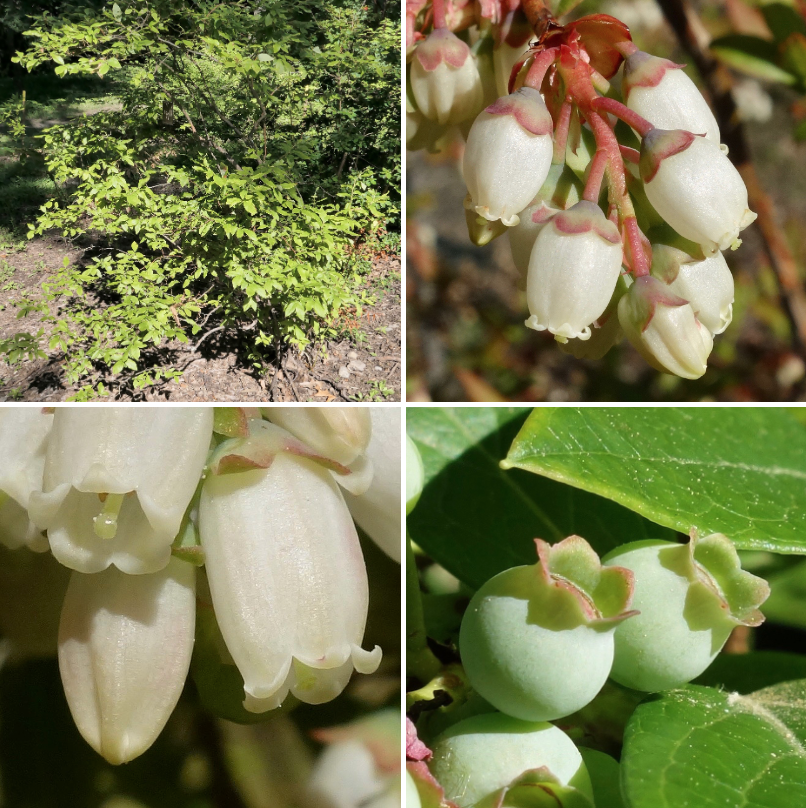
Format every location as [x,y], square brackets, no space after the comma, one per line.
[561,132]
[438,7]
[626,48]
[593,184]
[630,155]
[632,119]
[539,67]
[640,261]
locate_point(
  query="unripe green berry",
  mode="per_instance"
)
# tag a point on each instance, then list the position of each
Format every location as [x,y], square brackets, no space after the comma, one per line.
[689,597]
[537,641]
[483,754]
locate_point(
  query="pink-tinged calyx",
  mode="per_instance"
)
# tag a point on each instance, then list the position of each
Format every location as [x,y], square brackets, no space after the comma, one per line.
[586,217]
[717,565]
[602,594]
[441,46]
[647,294]
[659,144]
[527,108]
[667,260]
[644,70]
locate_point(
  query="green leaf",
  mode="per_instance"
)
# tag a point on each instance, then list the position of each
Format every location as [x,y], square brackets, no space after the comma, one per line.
[782,20]
[752,55]
[103,69]
[701,747]
[739,471]
[476,519]
[744,673]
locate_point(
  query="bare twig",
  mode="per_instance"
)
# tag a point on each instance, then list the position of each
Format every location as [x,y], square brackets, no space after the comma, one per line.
[719,82]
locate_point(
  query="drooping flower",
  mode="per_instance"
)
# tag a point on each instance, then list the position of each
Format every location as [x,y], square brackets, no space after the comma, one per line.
[573,270]
[707,285]
[125,643]
[445,79]
[117,481]
[523,235]
[664,330]
[695,188]
[508,155]
[661,92]
[285,569]
[23,439]
[377,510]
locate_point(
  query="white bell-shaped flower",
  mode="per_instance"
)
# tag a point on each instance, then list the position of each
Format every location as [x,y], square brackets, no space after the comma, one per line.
[377,511]
[23,439]
[695,188]
[661,92]
[523,235]
[117,481]
[508,155]
[445,79]
[285,569]
[707,285]
[606,331]
[340,433]
[573,271]
[336,433]
[664,329]
[125,643]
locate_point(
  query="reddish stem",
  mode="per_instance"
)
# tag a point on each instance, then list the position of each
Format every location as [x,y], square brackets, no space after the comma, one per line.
[626,48]
[561,132]
[593,184]
[540,65]
[631,155]
[632,119]
[640,262]
[438,7]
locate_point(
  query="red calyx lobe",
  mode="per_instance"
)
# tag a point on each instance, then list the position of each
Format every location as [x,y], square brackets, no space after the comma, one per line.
[526,106]
[442,46]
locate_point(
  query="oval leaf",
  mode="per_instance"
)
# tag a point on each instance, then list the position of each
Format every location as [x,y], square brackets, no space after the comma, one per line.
[477,520]
[704,747]
[738,471]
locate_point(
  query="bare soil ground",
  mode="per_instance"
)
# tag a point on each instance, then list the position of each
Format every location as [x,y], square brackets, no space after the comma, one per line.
[363,364]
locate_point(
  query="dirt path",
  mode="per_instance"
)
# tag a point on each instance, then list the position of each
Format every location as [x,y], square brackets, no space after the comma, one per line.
[364,365]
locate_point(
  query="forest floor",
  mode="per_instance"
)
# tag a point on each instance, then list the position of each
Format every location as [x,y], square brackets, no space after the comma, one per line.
[360,363]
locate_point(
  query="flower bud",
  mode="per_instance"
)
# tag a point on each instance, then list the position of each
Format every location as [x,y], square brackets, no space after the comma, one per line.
[707,285]
[285,569]
[125,643]
[508,155]
[695,188]
[445,78]
[378,510]
[23,439]
[661,92]
[117,481]
[663,329]
[573,270]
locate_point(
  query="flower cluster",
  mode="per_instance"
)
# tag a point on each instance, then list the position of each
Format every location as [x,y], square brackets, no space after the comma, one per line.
[131,510]
[617,202]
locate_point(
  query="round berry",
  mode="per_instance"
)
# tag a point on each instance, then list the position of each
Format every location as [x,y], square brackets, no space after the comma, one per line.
[480,755]
[689,597]
[537,641]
